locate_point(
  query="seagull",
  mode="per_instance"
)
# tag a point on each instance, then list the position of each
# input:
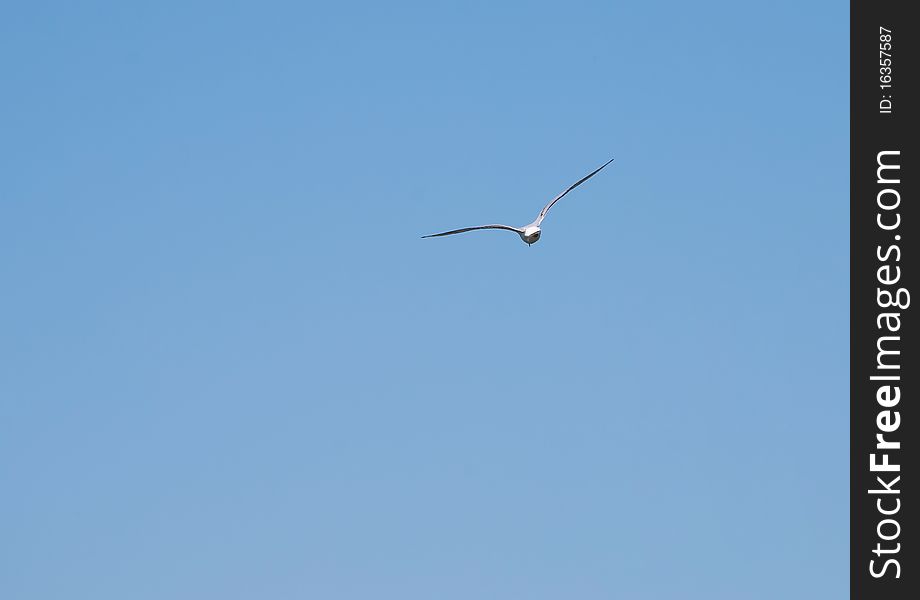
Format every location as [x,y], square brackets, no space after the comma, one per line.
[529,233]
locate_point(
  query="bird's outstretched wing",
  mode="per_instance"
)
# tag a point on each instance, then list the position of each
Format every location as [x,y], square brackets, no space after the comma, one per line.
[465,229]
[567,190]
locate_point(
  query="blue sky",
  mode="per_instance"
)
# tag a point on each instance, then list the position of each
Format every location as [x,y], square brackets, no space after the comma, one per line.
[229,367]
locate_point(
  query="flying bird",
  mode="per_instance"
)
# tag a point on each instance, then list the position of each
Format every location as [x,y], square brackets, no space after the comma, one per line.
[529,233]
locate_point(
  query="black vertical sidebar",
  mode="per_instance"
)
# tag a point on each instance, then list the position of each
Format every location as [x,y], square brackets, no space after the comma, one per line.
[884,374]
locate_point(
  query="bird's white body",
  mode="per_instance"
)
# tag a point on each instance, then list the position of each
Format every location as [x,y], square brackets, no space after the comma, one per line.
[529,233]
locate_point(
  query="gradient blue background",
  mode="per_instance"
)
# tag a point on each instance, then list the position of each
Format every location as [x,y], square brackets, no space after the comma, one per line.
[229,367]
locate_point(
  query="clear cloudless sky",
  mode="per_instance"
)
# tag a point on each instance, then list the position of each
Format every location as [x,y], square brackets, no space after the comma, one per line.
[230,368]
